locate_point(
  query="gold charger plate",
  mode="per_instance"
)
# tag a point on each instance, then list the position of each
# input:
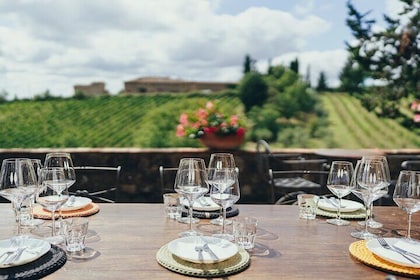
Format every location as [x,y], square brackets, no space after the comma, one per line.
[88,210]
[360,252]
[235,264]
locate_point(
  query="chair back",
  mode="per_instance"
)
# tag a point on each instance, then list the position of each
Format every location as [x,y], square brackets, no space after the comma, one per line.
[100,183]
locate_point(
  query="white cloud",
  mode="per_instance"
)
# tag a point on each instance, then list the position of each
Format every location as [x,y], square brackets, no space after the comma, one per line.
[55,44]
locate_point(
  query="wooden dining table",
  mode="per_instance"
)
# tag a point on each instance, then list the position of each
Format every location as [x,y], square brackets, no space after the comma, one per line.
[128,236]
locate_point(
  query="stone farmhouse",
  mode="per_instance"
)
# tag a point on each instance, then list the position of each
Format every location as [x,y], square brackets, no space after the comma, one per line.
[164,84]
[94,89]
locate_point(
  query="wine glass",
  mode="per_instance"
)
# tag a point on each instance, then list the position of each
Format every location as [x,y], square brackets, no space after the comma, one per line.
[30,202]
[224,191]
[221,160]
[384,191]
[64,162]
[367,175]
[18,182]
[339,182]
[407,194]
[52,194]
[191,183]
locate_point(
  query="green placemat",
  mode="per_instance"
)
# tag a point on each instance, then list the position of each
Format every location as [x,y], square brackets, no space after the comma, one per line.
[235,264]
[359,214]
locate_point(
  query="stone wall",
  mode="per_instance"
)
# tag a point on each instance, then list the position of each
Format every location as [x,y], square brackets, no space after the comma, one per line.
[140,181]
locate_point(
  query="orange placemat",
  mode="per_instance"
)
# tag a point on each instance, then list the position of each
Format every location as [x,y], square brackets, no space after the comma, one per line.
[88,210]
[359,251]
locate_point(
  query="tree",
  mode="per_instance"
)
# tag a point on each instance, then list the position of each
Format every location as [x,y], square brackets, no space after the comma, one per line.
[294,66]
[253,90]
[352,77]
[249,64]
[322,82]
[391,56]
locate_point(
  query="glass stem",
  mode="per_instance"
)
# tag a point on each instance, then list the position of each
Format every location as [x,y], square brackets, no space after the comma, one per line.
[367,206]
[190,214]
[223,220]
[371,211]
[53,223]
[19,227]
[409,226]
[339,209]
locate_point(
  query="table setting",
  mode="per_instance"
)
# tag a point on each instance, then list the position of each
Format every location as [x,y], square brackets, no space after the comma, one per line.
[194,253]
[39,248]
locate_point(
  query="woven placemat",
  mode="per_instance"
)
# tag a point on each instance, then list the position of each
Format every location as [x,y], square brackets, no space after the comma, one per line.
[233,265]
[54,259]
[230,212]
[90,209]
[360,252]
[359,214]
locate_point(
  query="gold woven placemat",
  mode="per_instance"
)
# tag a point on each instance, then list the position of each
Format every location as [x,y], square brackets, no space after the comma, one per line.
[88,210]
[359,214]
[359,251]
[233,265]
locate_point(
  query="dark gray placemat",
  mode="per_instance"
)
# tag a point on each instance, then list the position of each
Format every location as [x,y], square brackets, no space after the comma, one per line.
[54,259]
[230,212]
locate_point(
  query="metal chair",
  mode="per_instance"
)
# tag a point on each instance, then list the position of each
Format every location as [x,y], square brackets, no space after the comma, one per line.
[411,165]
[306,175]
[91,180]
[167,174]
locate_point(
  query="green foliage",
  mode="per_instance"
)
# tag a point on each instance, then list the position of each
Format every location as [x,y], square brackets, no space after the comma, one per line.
[294,66]
[352,77]
[322,82]
[391,55]
[253,90]
[265,124]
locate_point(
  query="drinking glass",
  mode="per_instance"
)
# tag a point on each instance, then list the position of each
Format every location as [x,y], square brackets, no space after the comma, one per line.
[370,173]
[18,182]
[224,191]
[221,160]
[339,182]
[52,194]
[384,191]
[407,194]
[191,183]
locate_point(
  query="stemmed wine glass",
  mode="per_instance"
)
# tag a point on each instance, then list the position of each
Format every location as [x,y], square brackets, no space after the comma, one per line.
[18,182]
[224,191]
[339,182]
[30,202]
[382,192]
[407,194]
[191,183]
[369,182]
[52,194]
[221,160]
[63,162]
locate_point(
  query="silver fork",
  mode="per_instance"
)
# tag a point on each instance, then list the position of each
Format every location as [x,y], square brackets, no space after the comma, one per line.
[15,256]
[199,249]
[385,245]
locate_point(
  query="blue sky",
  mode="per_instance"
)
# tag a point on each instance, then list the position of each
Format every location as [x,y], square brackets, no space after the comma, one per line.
[56,44]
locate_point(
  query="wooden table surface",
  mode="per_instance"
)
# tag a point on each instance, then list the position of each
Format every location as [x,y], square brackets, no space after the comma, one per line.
[127,236]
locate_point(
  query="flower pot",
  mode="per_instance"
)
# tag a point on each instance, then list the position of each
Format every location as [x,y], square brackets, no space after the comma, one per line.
[227,142]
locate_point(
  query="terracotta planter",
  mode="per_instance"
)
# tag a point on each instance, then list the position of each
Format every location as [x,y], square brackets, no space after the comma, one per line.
[227,142]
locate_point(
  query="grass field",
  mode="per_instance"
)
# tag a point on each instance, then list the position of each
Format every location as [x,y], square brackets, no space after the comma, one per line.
[150,121]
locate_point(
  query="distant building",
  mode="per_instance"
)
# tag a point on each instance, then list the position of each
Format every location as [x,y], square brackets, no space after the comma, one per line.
[94,89]
[163,84]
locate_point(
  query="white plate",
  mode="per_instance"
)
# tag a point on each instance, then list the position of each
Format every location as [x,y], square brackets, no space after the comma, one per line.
[346,205]
[34,249]
[185,248]
[391,256]
[205,203]
[78,203]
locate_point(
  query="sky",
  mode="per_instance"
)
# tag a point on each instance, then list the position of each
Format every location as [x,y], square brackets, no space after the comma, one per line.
[56,44]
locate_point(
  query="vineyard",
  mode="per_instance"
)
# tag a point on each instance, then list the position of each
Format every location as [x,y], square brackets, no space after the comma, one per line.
[150,121]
